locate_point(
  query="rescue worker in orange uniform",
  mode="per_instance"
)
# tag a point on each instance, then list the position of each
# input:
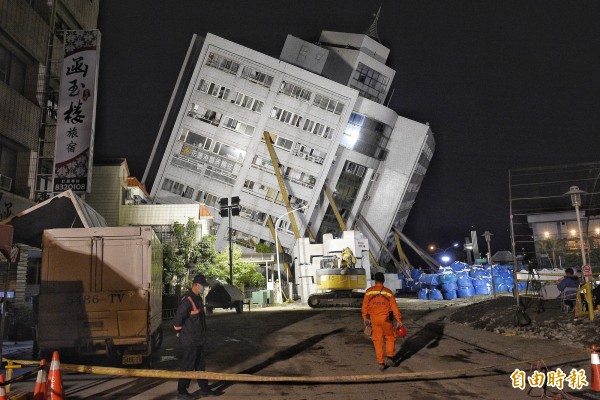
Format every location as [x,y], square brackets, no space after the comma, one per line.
[378,306]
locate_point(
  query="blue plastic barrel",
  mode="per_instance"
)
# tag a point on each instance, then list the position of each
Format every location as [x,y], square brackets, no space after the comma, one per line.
[423,294]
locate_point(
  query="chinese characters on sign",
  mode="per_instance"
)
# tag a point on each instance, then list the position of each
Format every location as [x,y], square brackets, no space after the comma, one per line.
[76,112]
[557,379]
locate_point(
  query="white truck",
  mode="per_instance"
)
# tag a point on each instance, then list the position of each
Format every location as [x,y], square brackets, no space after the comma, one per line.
[101,292]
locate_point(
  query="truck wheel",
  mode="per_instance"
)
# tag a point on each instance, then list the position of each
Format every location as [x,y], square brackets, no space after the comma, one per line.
[148,362]
[239,307]
[157,339]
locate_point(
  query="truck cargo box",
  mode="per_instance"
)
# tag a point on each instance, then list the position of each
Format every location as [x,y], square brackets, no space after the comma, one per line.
[101,292]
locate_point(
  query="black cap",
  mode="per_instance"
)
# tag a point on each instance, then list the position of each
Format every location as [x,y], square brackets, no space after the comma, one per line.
[201,280]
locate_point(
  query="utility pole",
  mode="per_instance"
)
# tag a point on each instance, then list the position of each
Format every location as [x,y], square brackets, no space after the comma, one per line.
[229,210]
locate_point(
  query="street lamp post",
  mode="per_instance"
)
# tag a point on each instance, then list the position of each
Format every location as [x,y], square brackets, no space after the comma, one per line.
[575,194]
[279,294]
[488,236]
[229,211]
[445,258]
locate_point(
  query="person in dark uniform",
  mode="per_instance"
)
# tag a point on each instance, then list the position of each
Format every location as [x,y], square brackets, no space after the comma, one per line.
[570,282]
[190,325]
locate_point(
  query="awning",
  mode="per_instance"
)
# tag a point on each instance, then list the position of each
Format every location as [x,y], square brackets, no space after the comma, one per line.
[65,210]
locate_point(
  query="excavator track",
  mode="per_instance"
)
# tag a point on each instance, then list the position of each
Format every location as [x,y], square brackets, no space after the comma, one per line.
[338,298]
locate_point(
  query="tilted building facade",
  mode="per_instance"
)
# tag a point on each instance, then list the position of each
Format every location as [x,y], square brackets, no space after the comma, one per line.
[321,105]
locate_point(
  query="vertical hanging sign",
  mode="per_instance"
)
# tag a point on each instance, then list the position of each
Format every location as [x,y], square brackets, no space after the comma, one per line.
[76,112]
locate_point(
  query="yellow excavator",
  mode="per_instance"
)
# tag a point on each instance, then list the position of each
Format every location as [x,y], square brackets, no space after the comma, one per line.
[337,283]
[334,272]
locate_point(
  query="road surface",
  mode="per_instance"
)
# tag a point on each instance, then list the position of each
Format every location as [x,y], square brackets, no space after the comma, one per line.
[438,360]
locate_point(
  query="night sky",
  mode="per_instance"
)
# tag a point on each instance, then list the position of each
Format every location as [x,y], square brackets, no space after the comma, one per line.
[503,85]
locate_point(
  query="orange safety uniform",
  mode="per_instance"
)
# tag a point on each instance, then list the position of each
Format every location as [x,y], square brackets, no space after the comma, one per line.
[377,304]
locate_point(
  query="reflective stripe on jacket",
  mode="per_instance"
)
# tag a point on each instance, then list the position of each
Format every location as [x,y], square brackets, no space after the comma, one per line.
[190,321]
[378,302]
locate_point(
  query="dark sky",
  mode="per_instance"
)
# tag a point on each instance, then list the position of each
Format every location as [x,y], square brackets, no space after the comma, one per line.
[503,84]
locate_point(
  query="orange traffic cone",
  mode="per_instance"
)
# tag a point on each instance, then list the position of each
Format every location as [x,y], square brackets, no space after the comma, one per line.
[39,393]
[54,388]
[595,370]
[2,388]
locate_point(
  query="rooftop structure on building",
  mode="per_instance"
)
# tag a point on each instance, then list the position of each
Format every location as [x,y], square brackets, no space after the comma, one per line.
[321,105]
[123,201]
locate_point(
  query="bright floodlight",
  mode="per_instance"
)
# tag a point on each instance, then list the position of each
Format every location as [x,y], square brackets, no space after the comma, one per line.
[445,259]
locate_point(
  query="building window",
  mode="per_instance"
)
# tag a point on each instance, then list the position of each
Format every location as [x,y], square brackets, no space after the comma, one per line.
[230,152]
[223,63]
[178,188]
[248,102]
[366,136]
[195,139]
[12,70]
[248,184]
[257,77]
[370,83]
[206,198]
[328,104]
[285,116]
[167,184]
[309,153]
[238,126]
[253,215]
[354,169]
[295,91]
[215,90]
[188,192]
[281,142]
[204,114]
[318,129]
